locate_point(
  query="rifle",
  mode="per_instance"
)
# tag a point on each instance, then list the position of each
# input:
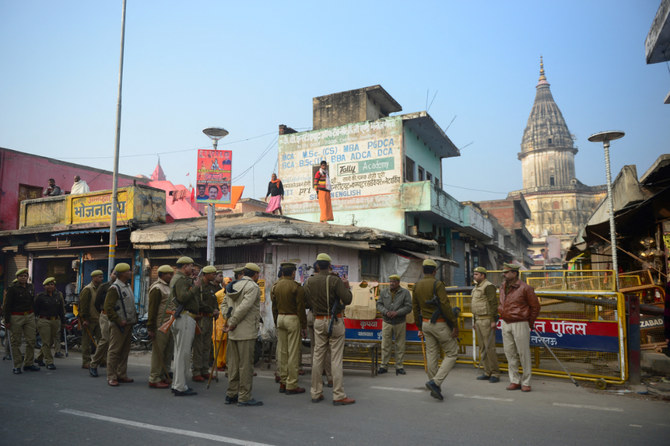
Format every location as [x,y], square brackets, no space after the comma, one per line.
[167,324]
[438,311]
[333,316]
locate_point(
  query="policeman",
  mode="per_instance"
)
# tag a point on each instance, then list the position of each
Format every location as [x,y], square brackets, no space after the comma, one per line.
[20,320]
[89,317]
[209,310]
[162,345]
[50,313]
[100,356]
[183,296]
[288,311]
[440,332]
[484,306]
[244,296]
[394,304]
[323,291]
[120,309]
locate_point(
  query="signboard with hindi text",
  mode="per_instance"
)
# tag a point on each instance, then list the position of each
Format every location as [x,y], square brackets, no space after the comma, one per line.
[94,208]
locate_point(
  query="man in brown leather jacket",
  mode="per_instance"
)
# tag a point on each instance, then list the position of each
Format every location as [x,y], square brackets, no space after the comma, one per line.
[519,308]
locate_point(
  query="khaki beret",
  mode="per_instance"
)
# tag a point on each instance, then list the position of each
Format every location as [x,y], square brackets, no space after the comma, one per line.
[97,272]
[165,269]
[480,269]
[252,267]
[510,267]
[49,280]
[430,262]
[121,268]
[287,265]
[184,260]
[324,257]
[394,277]
[209,269]
[22,271]
[238,270]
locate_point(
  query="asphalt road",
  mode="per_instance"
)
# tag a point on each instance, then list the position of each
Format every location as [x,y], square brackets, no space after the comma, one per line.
[67,407]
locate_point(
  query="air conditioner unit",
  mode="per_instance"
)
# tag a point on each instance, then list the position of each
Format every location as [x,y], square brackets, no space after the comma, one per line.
[413,231]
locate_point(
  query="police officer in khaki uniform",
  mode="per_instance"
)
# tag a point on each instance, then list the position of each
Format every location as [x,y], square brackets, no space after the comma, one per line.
[439,335]
[162,345]
[50,312]
[322,291]
[484,306]
[288,311]
[89,318]
[120,309]
[183,294]
[100,356]
[20,320]
[244,297]
[394,304]
[209,310]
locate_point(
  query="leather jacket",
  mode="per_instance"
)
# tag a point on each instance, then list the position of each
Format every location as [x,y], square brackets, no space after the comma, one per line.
[518,303]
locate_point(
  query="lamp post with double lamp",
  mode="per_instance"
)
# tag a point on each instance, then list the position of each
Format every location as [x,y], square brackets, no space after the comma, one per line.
[215,134]
[605,138]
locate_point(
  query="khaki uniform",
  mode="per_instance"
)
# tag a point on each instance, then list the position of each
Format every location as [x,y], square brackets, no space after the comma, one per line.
[119,306]
[321,291]
[437,335]
[484,306]
[88,313]
[100,356]
[162,345]
[202,342]
[245,300]
[288,311]
[183,328]
[399,300]
[50,312]
[18,311]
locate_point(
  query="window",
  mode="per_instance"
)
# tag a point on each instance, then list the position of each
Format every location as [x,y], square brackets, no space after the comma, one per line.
[421,173]
[369,266]
[551,181]
[549,141]
[409,169]
[429,176]
[437,183]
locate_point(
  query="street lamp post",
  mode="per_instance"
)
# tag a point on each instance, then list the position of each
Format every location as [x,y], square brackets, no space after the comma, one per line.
[215,134]
[605,138]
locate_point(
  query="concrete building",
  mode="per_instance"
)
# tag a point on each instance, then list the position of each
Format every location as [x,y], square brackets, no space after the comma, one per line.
[386,173]
[510,234]
[558,201]
[657,43]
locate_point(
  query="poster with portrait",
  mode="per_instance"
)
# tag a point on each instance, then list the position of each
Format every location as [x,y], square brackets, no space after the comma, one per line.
[214,174]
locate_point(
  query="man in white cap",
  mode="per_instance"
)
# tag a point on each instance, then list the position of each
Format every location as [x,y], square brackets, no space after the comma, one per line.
[484,305]
[244,297]
[184,306]
[20,321]
[435,318]
[161,346]
[324,292]
[120,310]
[394,304]
[89,317]
[519,307]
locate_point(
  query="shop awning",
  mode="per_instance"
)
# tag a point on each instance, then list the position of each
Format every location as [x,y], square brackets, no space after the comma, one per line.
[88,231]
[424,256]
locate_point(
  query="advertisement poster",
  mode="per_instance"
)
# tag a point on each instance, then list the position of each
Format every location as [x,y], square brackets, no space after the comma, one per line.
[214,173]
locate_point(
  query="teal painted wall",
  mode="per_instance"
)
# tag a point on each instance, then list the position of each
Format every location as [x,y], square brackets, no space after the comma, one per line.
[421,155]
[388,219]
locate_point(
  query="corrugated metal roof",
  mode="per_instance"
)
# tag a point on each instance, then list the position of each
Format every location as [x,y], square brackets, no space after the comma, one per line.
[88,231]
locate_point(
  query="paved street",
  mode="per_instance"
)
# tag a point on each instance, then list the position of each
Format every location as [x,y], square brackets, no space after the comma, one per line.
[67,406]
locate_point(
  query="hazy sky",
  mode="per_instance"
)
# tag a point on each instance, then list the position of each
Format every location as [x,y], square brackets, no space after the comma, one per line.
[249,66]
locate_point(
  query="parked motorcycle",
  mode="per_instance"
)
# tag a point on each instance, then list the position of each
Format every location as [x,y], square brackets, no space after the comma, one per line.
[140,336]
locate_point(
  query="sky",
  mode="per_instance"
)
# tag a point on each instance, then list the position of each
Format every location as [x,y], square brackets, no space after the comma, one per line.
[250,66]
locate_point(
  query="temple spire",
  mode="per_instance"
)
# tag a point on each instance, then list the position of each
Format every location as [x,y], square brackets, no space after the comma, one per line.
[543,78]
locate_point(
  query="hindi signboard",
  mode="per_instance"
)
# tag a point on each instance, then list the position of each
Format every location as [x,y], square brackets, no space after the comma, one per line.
[214,174]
